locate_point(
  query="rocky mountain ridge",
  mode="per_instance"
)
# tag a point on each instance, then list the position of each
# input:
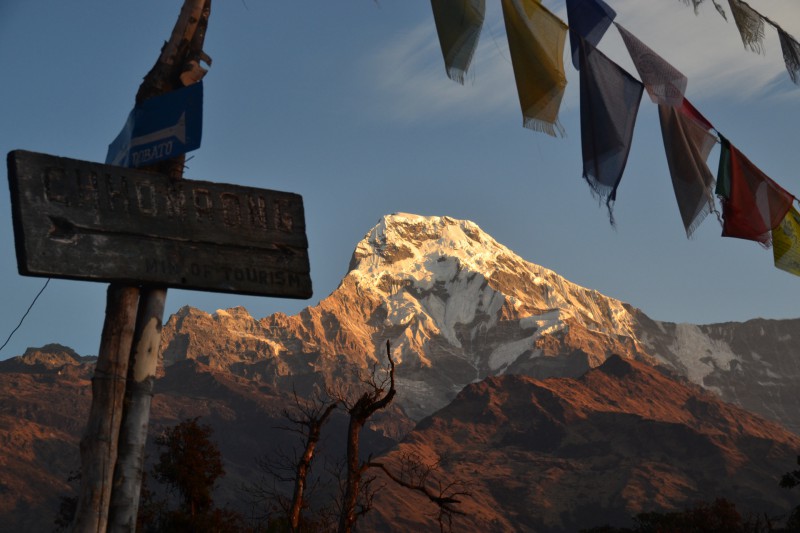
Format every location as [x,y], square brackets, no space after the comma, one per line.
[458,306]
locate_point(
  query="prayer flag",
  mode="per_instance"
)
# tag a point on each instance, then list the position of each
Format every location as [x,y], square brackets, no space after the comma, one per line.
[791,55]
[536,41]
[664,83]
[723,188]
[458,25]
[588,19]
[690,111]
[755,204]
[786,243]
[696,5]
[610,100]
[687,143]
[750,25]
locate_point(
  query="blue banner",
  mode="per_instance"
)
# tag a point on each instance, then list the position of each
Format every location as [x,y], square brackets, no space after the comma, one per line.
[159,128]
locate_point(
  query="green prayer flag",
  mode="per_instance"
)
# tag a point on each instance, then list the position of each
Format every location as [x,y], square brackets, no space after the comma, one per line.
[723,187]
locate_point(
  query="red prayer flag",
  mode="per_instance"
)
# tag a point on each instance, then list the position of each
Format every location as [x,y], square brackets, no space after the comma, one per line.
[756,204]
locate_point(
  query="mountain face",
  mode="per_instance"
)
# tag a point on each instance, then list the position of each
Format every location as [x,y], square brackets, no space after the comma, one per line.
[753,364]
[45,398]
[552,455]
[458,307]
[545,392]
[565,454]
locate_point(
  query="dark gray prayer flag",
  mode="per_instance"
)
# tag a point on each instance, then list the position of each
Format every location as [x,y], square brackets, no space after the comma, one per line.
[688,140]
[664,83]
[458,25]
[588,19]
[791,55]
[750,24]
[610,100]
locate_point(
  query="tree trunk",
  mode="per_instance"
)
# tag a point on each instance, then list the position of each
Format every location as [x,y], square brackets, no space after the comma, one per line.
[300,487]
[369,402]
[348,517]
[99,443]
[314,424]
[138,396]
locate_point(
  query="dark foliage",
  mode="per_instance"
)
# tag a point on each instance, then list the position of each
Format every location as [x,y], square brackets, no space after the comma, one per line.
[66,512]
[190,464]
[68,506]
[210,521]
[720,516]
[789,481]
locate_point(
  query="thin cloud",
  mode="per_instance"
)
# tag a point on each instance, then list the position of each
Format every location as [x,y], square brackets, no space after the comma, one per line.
[705,47]
[411,71]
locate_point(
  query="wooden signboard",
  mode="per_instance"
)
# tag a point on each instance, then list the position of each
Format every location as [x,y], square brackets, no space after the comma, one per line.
[80,220]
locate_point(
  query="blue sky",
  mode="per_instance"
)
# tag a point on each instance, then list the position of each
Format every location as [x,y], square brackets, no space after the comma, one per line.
[348,104]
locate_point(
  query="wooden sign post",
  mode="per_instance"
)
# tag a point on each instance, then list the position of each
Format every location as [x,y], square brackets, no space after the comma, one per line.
[88,221]
[143,231]
[132,228]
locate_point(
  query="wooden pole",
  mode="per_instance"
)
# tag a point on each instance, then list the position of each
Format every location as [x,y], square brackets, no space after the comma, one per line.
[177,65]
[138,397]
[99,443]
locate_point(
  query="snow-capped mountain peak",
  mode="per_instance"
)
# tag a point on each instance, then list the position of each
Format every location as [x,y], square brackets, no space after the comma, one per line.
[403,240]
[453,272]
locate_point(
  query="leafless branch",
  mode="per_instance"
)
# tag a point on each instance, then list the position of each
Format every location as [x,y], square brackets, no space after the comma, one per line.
[375,397]
[305,418]
[416,475]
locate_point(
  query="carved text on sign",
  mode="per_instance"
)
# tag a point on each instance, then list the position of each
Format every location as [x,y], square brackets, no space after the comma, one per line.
[82,220]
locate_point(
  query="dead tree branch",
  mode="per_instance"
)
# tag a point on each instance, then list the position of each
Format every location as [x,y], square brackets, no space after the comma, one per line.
[376,397]
[417,476]
[305,418]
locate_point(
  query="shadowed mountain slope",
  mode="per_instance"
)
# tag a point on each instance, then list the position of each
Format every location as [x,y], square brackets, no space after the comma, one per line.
[564,454]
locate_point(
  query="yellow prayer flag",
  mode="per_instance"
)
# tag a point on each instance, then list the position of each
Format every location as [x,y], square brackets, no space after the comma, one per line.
[786,243]
[536,43]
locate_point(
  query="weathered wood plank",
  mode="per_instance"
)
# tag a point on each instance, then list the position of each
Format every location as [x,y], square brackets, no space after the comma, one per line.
[99,443]
[80,220]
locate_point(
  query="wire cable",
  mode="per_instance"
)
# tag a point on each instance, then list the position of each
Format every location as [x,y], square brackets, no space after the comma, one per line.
[21,320]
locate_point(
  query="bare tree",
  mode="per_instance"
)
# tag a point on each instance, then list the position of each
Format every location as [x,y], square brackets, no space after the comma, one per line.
[306,418]
[312,416]
[376,397]
[358,487]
